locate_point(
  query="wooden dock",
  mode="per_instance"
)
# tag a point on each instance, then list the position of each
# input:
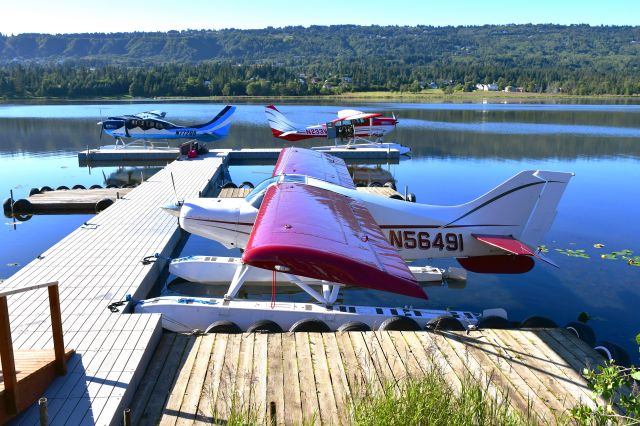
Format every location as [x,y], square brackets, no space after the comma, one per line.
[97,264]
[97,156]
[70,201]
[243,192]
[304,378]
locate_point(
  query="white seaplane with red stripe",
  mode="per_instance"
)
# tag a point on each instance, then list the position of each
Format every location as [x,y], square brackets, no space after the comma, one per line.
[308,221]
[359,129]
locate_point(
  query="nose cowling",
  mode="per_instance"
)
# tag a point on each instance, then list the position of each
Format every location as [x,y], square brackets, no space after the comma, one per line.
[212,218]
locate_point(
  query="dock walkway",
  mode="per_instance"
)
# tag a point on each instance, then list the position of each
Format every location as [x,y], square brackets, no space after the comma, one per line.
[307,378]
[97,264]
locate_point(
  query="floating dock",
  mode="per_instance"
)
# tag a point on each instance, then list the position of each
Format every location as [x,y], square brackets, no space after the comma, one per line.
[70,201]
[310,378]
[287,377]
[111,156]
[98,264]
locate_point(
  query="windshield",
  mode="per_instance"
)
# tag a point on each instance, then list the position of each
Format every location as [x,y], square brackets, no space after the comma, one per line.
[255,197]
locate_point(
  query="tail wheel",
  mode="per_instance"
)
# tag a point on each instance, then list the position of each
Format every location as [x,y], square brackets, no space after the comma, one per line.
[264,326]
[538,322]
[354,326]
[224,327]
[444,323]
[583,332]
[494,322]
[399,324]
[612,352]
[310,325]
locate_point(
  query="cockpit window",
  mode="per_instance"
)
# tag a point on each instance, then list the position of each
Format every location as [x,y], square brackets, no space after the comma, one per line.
[255,197]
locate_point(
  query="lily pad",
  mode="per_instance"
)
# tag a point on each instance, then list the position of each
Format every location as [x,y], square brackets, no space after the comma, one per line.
[608,256]
[543,249]
[598,245]
[624,252]
[574,253]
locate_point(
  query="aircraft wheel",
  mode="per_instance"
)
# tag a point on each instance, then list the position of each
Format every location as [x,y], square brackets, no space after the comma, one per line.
[310,325]
[62,188]
[375,185]
[34,191]
[494,322]
[229,185]
[397,197]
[103,204]
[583,332]
[22,206]
[46,189]
[264,326]
[354,326]
[538,322]
[78,187]
[444,323]
[612,352]
[95,187]
[224,327]
[399,324]
[246,185]
[390,184]
[411,197]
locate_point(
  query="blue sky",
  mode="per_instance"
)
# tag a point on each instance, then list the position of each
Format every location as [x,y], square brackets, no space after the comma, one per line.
[73,16]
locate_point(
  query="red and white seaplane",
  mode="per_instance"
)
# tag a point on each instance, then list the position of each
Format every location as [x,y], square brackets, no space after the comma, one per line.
[308,222]
[359,129]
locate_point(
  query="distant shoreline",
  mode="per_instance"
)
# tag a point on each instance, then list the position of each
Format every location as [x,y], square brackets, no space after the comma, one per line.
[429,96]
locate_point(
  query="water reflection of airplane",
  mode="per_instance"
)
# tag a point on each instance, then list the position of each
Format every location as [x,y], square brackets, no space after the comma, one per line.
[351,125]
[131,175]
[370,176]
[152,125]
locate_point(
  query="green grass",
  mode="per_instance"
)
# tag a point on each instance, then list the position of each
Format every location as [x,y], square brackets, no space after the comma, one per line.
[430,401]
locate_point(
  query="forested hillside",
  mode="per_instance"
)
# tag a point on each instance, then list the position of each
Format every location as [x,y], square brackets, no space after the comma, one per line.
[577,59]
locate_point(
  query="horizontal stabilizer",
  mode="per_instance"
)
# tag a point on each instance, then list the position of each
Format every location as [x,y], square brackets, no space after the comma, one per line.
[506,243]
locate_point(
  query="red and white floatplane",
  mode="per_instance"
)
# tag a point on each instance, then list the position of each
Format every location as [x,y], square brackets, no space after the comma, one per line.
[360,130]
[308,225]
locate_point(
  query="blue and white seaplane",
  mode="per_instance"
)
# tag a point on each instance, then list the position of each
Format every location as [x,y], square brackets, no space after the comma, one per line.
[152,125]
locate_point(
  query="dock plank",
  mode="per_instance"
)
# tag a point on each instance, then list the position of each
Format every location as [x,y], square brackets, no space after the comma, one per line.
[195,386]
[308,391]
[291,380]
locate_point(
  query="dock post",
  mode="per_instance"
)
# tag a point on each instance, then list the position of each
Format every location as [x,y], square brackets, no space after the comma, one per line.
[44,411]
[8,361]
[126,417]
[11,195]
[56,329]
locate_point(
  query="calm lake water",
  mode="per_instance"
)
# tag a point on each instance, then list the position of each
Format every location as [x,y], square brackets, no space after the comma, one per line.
[459,152]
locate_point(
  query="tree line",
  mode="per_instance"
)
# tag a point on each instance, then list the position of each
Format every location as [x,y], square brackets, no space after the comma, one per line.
[577,59]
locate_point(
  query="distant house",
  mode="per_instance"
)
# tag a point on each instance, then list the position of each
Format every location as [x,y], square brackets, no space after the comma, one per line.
[491,87]
[514,89]
[433,85]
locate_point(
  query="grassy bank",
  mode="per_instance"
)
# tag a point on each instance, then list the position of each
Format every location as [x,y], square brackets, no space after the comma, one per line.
[426,96]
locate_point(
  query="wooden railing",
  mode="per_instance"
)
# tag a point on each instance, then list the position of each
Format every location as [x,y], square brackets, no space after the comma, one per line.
[6,345]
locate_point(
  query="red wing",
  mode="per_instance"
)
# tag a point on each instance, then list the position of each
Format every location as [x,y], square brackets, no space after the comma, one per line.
[323,235]
[506,243]
[315,164]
